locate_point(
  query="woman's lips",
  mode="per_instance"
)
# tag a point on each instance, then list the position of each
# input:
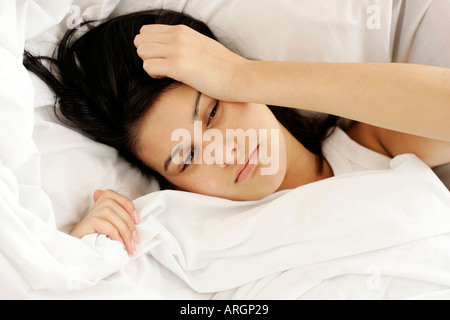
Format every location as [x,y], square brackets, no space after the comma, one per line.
[243,171]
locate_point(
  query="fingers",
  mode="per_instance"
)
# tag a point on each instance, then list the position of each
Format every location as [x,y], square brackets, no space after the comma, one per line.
[154,50]
[156,34]
[160,47]
[125,202]
[113,215]
[164,34]
[143,38]
[112,222]
[119,211]
[114,229]
[160,28]
[102,226]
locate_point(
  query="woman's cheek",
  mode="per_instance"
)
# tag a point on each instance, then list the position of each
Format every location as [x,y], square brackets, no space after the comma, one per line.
[203,181]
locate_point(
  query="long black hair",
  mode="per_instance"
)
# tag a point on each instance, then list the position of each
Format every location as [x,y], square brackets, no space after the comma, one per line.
[101,87]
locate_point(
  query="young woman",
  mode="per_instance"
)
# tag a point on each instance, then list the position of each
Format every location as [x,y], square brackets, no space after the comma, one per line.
[132,81]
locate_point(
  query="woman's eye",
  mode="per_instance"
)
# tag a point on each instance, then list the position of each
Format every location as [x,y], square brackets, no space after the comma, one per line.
[189,160]
[213,113]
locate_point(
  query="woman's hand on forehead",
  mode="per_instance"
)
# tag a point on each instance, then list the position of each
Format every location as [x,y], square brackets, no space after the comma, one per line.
[185,55]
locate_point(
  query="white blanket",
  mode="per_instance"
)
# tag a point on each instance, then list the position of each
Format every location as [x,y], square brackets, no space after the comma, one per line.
[396,222]
[381,234]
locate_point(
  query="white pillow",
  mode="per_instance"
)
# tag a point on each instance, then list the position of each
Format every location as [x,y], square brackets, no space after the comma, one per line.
[73,166]
[423,33]
[299,30]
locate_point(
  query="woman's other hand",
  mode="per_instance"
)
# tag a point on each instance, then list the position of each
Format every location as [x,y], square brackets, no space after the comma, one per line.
[113,215]
[180,53]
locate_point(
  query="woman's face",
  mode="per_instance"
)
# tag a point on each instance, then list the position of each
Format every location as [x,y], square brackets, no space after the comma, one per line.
[218,139]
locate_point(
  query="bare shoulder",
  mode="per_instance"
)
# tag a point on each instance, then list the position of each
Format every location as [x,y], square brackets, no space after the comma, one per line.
[393,143]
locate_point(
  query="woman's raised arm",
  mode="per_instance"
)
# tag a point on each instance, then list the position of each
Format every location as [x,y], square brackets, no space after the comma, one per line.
[413,99]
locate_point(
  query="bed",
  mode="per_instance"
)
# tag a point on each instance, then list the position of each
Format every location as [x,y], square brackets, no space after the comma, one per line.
[367,235]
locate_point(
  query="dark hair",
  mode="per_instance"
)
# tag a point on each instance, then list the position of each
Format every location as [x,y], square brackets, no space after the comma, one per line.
[102,89]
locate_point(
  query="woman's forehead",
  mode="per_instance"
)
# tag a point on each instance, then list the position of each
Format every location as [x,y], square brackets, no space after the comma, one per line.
[173,108]
[173,111]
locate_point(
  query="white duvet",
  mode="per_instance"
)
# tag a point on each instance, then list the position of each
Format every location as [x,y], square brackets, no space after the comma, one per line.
[367,235]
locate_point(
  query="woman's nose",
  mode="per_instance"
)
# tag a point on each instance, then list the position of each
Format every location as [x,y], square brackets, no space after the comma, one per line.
[229,153]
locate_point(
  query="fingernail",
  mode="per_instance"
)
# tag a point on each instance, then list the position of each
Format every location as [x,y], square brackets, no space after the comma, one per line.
[136,217]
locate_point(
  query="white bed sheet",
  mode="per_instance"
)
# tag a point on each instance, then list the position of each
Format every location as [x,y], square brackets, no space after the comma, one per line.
[48,173]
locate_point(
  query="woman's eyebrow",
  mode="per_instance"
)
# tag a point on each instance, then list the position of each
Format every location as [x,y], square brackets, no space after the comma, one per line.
[196,107]
[194,117]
